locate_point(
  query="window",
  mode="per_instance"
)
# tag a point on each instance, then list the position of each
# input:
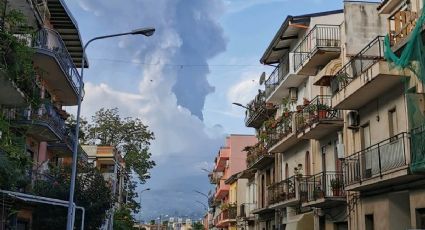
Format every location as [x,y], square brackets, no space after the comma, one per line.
[366,141]
[420,218]
[369,224]
[286,171]
[307,163]
[392,120]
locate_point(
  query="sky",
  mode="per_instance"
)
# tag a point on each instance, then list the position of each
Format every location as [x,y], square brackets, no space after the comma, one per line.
[181,81]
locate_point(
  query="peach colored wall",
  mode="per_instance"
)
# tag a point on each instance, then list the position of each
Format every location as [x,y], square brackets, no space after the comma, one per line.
[237,160]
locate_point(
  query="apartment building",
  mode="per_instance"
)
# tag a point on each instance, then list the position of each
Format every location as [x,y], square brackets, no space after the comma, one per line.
[34,107]
[334,126]
[230,160]
[384,127]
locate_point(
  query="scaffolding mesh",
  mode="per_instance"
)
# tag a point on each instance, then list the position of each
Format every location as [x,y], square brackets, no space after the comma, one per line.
[412,58]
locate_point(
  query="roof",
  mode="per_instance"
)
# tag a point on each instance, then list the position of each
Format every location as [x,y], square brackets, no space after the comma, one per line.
[287,34]
[232,178]
[382,4]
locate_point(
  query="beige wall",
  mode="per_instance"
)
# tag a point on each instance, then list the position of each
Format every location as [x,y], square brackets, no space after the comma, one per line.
[416,201]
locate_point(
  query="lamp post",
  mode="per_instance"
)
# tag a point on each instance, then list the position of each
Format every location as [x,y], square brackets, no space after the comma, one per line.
[240,105]
[70,218]
[140,201]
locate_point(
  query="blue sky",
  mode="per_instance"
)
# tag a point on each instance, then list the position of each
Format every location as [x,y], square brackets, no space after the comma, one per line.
[181,81]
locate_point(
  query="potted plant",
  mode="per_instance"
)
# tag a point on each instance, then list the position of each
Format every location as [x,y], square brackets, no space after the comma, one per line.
[318,193]
[336,185]
[306,101]
[322,110]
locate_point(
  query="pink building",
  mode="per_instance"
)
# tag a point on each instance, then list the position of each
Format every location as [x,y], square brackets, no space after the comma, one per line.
[230,159]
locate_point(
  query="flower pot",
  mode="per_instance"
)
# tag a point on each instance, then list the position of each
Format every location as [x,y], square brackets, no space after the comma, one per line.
[336,192]
[322,114]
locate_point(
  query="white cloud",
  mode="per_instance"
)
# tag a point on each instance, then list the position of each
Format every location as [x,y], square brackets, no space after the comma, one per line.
[245,90]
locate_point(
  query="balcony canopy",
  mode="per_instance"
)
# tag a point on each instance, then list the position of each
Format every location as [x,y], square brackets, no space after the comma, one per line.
[287,34]
[65,24]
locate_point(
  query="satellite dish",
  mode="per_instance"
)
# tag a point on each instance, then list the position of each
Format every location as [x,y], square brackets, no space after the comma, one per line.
[262,78]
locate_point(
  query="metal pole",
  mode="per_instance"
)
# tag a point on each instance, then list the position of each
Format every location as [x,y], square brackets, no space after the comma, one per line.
[71,216]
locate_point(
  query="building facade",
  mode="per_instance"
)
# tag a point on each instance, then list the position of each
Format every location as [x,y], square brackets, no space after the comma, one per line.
[230,161]
[33,93]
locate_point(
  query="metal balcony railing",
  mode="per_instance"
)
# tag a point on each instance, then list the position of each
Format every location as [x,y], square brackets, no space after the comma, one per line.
[324,184]
[46,114]
[376,160]
[417,149]
[320,108]
[363,61]
[277,76]
[255,154]
[321,36]
[282,130]
[282,191]
[51,41]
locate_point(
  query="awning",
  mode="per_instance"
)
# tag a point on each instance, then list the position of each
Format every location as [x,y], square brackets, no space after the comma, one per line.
[301,222]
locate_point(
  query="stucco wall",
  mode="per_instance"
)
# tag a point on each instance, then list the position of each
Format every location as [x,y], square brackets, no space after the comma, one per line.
[362,24]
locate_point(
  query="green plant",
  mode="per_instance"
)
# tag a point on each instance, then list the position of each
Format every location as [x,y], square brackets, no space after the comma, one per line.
[15,55]
[336,183]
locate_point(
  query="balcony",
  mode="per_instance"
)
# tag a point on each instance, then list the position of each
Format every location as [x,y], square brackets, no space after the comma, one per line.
[64,147]
[258,111]
[281,80]
[56,66]
[318,118]
[366,76]
[215,177]
[401,25]
[380,165]
[283,136]
[221,159]
[325,189]
[318,47]
[417,138]
[286,193]
[44,123]
[258,157]
[222,190]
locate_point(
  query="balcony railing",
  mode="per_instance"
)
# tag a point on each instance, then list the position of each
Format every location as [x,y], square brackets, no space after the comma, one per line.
[319,109]
[277,76]
[376,160]
[283,129]
[321,36]
[282,191]
[51,41]
[363,61]
[258,111]
[401,25]
[323,185]
[255,153]
[45,114]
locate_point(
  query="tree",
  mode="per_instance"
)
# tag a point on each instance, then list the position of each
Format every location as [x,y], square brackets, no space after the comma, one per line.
[128,135]
[123,220]
[198,226]
[91,191]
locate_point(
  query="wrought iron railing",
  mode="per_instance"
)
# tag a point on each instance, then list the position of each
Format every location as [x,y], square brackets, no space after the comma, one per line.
[363,61]
[320,108]
[255,154]
[376,160]
[282,191]
[321,36]
[46,114]
[258,109]
[277,76]
[324,184]
[50,40]
[282,130]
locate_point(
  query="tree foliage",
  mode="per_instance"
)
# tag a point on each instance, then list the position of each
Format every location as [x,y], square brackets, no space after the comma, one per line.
[91,192]
[129,135]
[123,220]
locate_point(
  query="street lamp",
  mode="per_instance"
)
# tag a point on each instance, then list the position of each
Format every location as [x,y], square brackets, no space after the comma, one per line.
[205,206]
[240,105]
[70,218]
[203,194]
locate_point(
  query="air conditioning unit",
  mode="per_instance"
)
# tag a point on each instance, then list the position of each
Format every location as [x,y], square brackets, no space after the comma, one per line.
[293,93]
[353,120]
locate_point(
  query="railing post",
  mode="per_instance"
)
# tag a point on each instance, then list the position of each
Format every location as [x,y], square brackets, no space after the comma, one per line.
[379,160]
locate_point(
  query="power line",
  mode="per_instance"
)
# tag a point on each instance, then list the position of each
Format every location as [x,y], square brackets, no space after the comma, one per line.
[176,64]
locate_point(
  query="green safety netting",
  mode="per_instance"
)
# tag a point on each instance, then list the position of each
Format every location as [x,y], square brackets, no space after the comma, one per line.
[412,58]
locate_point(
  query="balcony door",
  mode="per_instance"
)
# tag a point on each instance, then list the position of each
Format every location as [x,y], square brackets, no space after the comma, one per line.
[368,155]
